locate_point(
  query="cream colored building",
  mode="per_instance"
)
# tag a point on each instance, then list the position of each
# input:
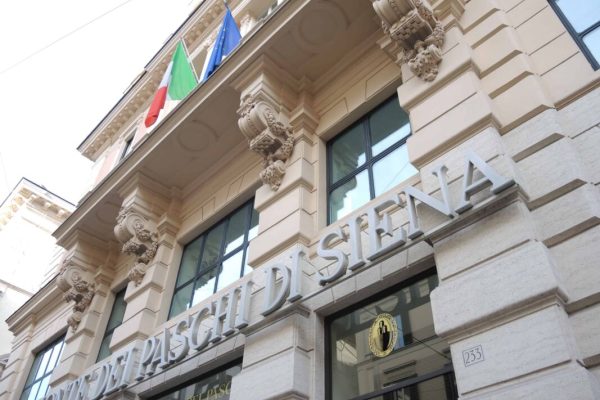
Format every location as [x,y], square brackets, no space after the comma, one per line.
[384,199]
[28,216]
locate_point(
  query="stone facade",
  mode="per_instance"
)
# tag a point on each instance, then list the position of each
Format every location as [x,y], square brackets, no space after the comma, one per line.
[486,84]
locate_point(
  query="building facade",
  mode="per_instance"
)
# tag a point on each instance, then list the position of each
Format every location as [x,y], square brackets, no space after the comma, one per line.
[384,199]
[28,216]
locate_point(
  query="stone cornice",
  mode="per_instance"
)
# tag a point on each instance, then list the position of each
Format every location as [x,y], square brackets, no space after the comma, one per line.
[40,199]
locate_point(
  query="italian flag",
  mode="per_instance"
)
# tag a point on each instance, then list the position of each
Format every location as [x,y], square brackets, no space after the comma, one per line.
[177,82]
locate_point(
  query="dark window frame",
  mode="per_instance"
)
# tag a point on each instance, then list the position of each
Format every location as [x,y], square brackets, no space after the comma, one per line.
[214,371]
[127,148]
[577,36]
[447,370]
[222,257]
[110,331]
[40,354]
[370,160]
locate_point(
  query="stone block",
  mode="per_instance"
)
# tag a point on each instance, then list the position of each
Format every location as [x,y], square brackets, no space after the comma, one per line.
[446,98]
[569,78]
[569,382]
[532,100]
[586,326]
[276,338]
[582,114]
[533,135]
[540,29]
[551,172]
[568,215]
[483,240]
[477,12]
[448,130]
[486,28]
[587,145]
[553,53]
[524,11]
[277,377]
[498,49]
[494,289]
[577,264]
[515,349]
[507,75]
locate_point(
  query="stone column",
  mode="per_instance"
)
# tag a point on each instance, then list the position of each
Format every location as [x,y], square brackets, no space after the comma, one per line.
[501,300]
[277,119]
[144,225]
[84,278]
[278,359]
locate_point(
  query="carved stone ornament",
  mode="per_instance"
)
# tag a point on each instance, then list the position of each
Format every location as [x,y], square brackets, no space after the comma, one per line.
[267,136]
[413,26]
[139,238]
[77,286]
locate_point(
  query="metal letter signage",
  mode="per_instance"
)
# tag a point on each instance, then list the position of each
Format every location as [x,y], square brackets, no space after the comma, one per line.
[231,311]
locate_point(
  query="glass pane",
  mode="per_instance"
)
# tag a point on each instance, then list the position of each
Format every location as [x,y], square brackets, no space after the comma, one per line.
[236,230]
[216,386]
[253,225]
[232,268]
[34,368]
[44,363]
[388,125]
[392,169]
[181,299]
[592,41]
[369,355]
[581,13]
[349,196]
[104,349]
[347,153]
[118,311]
[54,358]
[212,247]
[247,268]
[205,286]
[33,392]
[189,261]
[43,387]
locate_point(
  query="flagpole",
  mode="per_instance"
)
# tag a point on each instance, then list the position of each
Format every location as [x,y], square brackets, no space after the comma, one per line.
[187,55]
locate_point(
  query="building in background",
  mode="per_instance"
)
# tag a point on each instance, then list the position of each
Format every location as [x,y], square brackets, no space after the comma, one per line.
[28,216]
[366,200]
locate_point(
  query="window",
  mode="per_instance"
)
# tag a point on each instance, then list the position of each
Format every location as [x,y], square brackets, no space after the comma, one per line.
[127,147]
[44,363]
[582,20]
[214,386]
[368,159]
[214,259]
[114,321]
[386,348]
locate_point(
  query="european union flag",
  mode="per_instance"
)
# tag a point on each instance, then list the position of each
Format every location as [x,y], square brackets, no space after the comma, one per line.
[227,40]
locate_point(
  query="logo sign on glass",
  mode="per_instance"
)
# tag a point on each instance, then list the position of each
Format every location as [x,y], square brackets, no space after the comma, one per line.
[383,335]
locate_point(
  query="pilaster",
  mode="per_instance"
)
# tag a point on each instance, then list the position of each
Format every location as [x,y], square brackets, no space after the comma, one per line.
[277,117]
[146,228]
[83,280]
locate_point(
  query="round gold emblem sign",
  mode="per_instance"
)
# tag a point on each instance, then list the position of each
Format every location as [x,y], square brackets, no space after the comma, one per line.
[383,335]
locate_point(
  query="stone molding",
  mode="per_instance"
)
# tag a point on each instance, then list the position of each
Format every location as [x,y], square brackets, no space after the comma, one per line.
[419,34]
[140,238]
[78,286]
[267,135]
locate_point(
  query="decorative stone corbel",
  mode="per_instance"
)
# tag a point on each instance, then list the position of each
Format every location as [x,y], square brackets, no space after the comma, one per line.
[267,135]
[140,238]
[78,286]
[413,26]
